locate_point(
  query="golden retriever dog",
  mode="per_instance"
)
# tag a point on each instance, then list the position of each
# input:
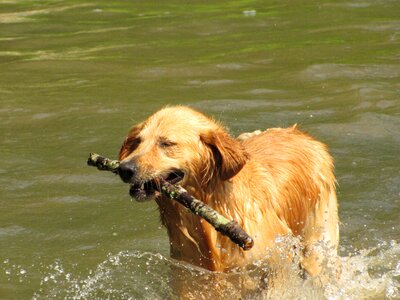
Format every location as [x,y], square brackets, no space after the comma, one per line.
[274,183]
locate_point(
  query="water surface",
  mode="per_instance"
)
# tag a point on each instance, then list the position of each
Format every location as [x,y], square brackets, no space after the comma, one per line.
[75,75]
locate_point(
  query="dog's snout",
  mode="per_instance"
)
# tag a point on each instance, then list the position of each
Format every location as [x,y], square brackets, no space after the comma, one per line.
[127,171]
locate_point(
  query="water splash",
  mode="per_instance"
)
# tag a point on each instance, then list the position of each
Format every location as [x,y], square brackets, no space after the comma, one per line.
[369,274]
[365,274]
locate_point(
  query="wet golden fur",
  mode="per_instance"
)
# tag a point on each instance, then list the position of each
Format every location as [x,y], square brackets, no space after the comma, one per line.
[276,182]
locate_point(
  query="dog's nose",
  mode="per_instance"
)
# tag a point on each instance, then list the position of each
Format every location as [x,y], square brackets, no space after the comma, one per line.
[127,171]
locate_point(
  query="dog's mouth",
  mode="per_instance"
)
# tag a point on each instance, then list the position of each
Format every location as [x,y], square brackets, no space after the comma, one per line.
[147,190]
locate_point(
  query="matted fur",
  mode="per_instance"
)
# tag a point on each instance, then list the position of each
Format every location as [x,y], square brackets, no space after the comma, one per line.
[273,183]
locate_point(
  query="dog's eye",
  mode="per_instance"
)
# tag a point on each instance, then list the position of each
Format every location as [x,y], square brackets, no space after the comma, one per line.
[165,143]
[132,143]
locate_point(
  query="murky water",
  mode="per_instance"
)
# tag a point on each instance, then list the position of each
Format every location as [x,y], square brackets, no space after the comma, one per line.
[74,76]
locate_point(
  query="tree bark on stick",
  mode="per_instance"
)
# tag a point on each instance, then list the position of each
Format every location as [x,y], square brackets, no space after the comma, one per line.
[175,192]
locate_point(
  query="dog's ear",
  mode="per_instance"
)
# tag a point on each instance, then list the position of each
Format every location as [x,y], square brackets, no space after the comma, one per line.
[229,155]
[131,142]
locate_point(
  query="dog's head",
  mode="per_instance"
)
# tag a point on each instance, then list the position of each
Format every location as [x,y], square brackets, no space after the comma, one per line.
[181,145]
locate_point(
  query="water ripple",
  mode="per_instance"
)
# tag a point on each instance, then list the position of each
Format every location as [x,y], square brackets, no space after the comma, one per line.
[335,71]
[23,16]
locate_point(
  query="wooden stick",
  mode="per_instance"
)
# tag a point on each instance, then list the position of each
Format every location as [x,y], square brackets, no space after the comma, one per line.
[175,192]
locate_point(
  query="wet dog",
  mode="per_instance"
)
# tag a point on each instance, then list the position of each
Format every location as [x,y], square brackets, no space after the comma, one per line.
[274,183]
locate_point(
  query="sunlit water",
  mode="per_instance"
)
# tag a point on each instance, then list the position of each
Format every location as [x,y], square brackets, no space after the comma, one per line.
[75,75]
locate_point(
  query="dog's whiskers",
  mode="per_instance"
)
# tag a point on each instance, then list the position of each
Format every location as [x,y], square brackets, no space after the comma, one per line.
[157,182]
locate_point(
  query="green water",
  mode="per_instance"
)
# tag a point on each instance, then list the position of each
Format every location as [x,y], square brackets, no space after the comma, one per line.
[75,75]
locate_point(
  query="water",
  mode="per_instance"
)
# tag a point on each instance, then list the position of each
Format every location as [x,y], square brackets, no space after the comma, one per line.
[75,75]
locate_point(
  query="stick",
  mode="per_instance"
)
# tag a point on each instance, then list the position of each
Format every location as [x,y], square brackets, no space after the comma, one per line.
[175,192]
